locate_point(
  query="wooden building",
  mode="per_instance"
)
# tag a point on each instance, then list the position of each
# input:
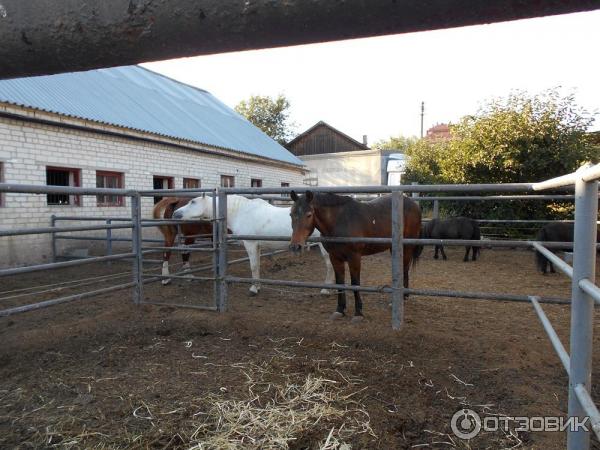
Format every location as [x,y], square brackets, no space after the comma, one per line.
[323,138]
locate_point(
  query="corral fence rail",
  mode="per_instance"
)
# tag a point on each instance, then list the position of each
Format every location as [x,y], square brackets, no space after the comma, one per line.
[583,292]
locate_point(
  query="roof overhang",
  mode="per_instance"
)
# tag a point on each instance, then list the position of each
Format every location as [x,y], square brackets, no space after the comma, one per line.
[26,114]
[340,155]
[45,36]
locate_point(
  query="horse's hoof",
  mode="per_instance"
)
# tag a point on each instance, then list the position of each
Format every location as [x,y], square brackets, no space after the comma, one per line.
[336,315]
[358,319]
[252,293]
[436,257]
[325,292]
[165,282]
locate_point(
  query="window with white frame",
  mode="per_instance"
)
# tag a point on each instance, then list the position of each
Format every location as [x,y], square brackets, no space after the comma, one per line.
[112,180]
[227,181]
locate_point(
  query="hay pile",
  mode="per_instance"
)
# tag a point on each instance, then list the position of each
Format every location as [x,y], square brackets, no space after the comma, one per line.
[313,413]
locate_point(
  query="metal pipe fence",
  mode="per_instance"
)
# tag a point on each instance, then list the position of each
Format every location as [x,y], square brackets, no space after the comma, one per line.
[584,291]
[109,240]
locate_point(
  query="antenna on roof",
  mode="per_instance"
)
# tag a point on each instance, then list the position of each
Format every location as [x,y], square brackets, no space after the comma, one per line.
[422,114]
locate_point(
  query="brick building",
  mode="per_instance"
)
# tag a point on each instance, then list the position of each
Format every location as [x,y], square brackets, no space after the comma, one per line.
[122,127]
[438,132]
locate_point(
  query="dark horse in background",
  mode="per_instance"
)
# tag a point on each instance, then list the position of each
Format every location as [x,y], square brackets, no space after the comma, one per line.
[164,210]
[453,228]
[341,216]
[554,232]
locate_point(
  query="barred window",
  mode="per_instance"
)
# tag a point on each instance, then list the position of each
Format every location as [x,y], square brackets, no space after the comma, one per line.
[227,181]
[191,183]
[112,180]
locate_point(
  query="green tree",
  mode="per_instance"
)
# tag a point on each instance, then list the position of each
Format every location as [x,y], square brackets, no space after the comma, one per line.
[426,161]
[395,143]
[269,114]
[520,139]
[517,139]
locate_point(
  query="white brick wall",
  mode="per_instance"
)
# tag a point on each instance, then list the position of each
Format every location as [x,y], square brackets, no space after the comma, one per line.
[26,149]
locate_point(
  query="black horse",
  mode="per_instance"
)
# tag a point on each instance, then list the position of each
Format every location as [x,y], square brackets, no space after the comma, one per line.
[554,232]
[453,228]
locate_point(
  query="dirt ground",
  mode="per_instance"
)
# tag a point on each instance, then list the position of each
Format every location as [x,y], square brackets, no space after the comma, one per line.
[102,373]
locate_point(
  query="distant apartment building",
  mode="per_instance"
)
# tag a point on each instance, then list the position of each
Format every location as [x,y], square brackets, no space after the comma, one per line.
[437,132]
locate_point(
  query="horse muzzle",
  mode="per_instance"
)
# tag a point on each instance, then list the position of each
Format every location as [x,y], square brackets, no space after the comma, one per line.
[295,248]
[177,215]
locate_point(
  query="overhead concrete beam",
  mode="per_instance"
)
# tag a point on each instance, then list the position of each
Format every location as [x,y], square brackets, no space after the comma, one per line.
[51,36]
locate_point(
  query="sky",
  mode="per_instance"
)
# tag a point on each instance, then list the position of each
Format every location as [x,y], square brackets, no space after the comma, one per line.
[375,86]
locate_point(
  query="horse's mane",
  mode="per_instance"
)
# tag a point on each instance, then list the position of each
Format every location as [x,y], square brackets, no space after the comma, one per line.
[328,199]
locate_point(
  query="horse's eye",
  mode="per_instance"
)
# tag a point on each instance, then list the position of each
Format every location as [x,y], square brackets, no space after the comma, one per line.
[308,214]
[193,201]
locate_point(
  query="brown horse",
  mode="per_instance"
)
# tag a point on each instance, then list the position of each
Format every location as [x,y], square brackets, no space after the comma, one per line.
[341,216]
[164,210]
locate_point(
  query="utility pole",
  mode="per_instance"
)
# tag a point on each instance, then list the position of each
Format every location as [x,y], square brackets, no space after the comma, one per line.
[422,115]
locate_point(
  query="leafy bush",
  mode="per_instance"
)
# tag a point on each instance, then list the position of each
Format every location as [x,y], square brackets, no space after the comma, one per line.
[514,140]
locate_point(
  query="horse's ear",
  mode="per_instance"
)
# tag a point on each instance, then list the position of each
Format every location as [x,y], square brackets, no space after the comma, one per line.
[309,196]
[294,196]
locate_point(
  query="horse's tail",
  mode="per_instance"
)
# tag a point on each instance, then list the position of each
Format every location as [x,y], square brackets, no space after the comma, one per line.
[476,237]
[418,249]
[540,260]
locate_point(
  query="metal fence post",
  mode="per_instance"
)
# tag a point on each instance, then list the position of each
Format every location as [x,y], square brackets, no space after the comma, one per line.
[108,240]
[582,305]
[215,246]
[436,209]
[222,222]
[53,237]
[136,243]
[397,259]
[415,195]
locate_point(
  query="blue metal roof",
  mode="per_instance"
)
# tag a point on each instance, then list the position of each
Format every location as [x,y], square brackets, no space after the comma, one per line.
[137,98]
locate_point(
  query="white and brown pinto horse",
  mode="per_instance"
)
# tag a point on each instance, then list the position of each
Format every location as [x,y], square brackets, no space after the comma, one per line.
[252,217]
[164,210]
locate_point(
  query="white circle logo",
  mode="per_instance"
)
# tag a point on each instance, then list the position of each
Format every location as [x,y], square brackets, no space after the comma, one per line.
[465,424]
